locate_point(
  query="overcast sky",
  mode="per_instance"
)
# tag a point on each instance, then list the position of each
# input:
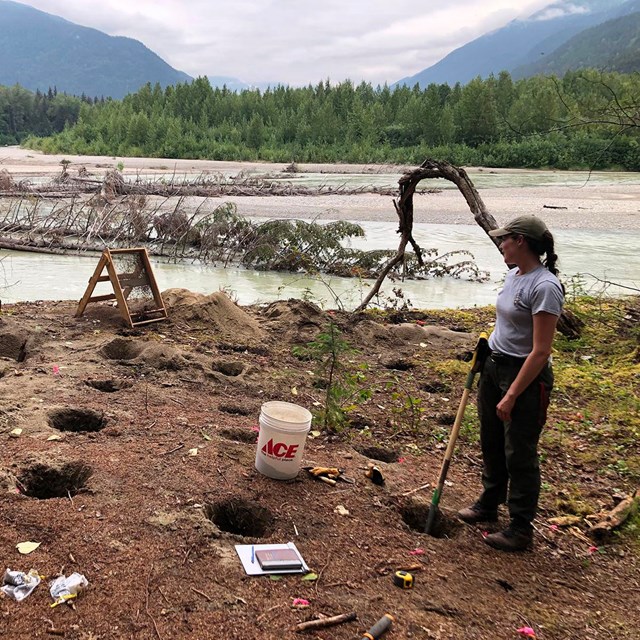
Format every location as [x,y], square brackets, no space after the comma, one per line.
[296,42]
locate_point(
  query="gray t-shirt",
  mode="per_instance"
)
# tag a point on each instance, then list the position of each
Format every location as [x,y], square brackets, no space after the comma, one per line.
[521,298]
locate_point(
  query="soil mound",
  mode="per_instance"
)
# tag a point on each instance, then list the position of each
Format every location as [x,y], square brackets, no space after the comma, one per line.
[161,357]
[371,332]
[217,310]
[405,334]
[432,335]
[295,320]
[136,352]
[122,349]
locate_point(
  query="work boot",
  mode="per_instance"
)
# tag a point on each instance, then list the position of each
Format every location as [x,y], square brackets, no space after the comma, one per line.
[477,513]
[510,539]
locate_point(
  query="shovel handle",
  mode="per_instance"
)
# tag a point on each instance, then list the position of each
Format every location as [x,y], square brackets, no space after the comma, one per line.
[479,355]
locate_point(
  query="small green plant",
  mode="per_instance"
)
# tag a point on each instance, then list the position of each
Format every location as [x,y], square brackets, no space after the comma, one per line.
[341,380]
[406,408]
[120,166]
[440,434]
[620,466]
[394,302]
[469,427]
[576,287]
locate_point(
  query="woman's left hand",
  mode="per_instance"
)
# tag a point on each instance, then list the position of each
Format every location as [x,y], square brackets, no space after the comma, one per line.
[544,326]
[504,408]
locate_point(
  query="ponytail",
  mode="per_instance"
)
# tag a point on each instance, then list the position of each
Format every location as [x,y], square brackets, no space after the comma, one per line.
[552,258]
[545,246]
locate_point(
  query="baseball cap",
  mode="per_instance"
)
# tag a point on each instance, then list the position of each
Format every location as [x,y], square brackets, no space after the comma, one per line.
[529,226]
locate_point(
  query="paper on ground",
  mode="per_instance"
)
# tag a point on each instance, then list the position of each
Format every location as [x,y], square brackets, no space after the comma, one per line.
[254,569]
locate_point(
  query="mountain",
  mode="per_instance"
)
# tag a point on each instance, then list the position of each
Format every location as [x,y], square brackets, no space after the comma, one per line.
[522,42]
[233,84]
[611,46]
[237,85]
[39,50]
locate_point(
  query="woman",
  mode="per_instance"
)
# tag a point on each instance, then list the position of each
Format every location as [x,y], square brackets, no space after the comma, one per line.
[516,380]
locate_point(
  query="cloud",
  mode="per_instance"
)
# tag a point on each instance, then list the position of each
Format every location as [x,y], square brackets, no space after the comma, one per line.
[558,12]
[297,42]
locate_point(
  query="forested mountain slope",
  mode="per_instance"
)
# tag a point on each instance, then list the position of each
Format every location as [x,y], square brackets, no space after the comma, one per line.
[612,46]
[522,42]
[39,50]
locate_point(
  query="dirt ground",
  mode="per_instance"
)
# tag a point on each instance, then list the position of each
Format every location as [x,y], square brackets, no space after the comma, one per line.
[135,467]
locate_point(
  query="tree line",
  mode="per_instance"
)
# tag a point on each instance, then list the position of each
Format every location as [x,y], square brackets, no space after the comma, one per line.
[24,113]
[583,120]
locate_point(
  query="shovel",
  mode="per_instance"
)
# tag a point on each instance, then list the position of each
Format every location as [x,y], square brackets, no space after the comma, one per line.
[479,356]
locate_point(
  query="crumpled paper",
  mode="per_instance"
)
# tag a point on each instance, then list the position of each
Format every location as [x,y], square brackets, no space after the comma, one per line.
[18,585]
[65,588]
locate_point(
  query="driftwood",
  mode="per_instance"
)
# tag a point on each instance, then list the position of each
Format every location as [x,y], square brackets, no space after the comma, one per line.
[443,610]
[568,324]
[37,247]
[616,517]
[404,208]
[321,623]
[113,185]
[566,521]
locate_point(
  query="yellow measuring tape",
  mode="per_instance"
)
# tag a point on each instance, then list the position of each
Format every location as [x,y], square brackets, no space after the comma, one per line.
[403,579]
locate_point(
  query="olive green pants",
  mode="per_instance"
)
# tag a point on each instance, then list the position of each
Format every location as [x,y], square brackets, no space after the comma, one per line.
[511,470]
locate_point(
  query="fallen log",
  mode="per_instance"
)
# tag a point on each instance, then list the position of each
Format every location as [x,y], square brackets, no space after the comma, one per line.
[321,623]
[173,189]
[569,325]
[40,246]
[10,245]
[616,517]
[566,521]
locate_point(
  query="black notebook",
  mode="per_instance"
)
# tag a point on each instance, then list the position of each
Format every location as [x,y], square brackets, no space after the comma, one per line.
[278,559]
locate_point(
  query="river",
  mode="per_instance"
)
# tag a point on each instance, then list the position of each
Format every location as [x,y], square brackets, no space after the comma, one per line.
[585,254]
[595,218]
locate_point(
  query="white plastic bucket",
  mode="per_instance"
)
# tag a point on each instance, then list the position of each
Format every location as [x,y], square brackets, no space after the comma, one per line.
[283,431]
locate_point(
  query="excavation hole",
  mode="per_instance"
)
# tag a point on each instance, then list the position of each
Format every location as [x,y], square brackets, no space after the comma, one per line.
[108,386]
[235,409]
[241,517]
[465,356]
[43,482]
[121,349]
[415,513]
[320,383]
[244,348]
[13,346]
[459,329]
[229,368]
[435,386]
[399,364]
[379,453]
[446,419]
[239,435]
[76,420]
[359,421]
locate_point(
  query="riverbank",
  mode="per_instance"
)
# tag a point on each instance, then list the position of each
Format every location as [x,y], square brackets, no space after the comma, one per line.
[565,200]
